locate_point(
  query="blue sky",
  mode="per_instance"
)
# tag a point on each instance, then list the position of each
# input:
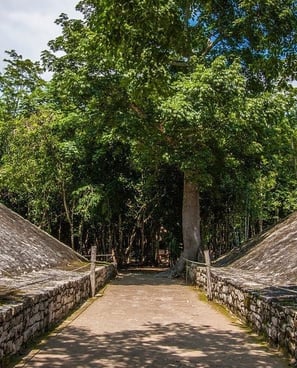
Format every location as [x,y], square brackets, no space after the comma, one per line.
[27,25]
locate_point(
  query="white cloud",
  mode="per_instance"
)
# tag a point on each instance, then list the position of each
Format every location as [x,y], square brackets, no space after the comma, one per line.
[27,25]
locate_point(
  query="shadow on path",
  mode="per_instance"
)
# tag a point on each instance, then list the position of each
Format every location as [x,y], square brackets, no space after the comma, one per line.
[156,345]
[177,339]
[153,277]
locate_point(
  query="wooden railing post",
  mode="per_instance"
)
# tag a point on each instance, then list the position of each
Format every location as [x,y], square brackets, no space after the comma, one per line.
[208,274]
[92,270]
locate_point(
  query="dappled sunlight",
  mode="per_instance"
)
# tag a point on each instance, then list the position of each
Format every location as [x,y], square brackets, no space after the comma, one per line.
[155,345]
[147,321]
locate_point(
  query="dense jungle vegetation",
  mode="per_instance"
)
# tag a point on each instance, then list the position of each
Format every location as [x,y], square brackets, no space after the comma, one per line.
[166,124]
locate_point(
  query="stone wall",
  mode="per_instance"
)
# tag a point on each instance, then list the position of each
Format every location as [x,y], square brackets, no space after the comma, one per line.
[33,312]
[275,318]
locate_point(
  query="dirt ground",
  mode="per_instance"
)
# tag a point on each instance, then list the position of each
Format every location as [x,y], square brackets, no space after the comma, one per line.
[146,320]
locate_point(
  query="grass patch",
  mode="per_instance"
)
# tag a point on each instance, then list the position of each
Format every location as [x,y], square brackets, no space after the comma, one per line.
[253,337]
[216,306]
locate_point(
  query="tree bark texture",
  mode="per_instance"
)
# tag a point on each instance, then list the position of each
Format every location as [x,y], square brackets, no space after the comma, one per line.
[191,224]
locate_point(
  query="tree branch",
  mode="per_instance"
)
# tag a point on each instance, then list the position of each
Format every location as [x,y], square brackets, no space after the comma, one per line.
[138,110]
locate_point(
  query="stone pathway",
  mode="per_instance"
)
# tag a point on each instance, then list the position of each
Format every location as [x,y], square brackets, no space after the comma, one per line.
[148,321]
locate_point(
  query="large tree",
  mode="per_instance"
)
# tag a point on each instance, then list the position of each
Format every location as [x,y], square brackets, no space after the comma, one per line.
[187,81]
[21,84]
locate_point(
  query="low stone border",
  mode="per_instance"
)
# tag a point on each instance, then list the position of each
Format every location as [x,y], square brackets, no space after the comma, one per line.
[263,310]
[42,304]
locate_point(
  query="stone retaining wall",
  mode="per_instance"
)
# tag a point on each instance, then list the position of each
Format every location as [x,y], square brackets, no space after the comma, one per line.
[33,313]
[264,313]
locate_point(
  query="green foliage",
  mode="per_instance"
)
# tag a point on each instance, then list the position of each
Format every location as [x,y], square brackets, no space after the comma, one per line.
[143,91]
[20,86]
[190,84]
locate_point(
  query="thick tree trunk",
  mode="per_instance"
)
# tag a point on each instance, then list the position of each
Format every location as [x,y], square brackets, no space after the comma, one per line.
[191,225]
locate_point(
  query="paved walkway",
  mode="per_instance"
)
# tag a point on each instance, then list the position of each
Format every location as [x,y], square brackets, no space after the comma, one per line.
[147,321]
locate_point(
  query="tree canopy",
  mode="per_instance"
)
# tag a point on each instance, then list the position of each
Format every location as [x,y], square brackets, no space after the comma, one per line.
[144,94]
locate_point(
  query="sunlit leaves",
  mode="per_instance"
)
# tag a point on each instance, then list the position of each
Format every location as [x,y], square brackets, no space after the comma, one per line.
[20,86]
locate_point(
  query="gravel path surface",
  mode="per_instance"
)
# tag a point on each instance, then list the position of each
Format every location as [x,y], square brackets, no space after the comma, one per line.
[148,321]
